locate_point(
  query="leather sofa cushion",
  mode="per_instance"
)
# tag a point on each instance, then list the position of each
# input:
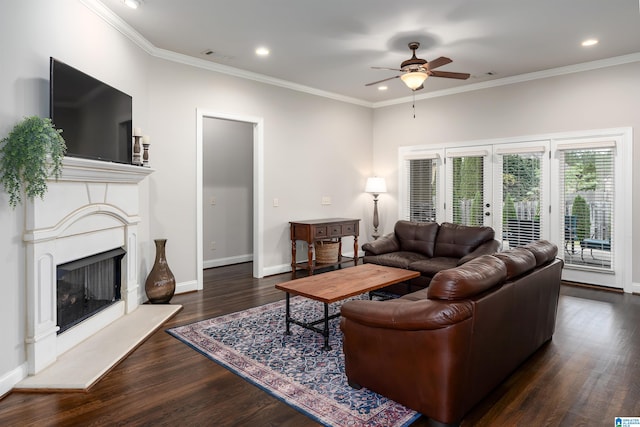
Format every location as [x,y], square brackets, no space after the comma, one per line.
[385,244]
[395,259]
[543,250]
[431,266]
[518,261]
[417,236]
[467,280]
[456,241]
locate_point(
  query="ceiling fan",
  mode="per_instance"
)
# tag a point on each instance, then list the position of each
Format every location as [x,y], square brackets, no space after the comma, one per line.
[415,70]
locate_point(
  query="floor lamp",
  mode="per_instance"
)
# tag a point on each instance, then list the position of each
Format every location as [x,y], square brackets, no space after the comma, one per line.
[375,186]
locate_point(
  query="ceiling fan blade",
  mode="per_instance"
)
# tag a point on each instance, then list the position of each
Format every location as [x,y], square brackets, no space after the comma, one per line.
[386,68]
[450,75]
[383,80]
[438,62]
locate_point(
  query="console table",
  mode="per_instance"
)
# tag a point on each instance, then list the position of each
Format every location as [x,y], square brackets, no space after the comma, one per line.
[320,229]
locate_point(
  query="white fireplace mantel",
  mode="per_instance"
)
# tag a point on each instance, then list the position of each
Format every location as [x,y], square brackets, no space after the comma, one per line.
[85,170]
[93,207]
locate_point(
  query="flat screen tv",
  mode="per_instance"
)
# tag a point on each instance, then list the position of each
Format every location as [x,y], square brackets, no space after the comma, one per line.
[95,118]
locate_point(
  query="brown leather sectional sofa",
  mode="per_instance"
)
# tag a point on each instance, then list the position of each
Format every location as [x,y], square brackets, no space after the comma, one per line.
[442,349]
[428,247]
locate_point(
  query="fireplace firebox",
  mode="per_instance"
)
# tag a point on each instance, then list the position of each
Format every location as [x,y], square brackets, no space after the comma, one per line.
[86,286]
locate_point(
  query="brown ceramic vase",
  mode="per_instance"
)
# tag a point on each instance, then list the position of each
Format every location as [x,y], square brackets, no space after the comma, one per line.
[161,283]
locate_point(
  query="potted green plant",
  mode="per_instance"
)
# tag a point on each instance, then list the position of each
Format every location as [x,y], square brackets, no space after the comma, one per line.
[31,153]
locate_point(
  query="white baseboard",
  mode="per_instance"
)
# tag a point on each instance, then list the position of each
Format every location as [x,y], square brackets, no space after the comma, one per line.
[184,287]
[277,269]
[635,288]
[219,262]
[11,378]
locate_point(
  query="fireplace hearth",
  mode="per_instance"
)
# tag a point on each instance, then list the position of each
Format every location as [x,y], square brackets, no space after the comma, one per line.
[86,286]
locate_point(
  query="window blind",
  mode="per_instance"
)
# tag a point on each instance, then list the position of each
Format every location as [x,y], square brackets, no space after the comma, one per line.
[588,199]
[422,178]
[521,196]
[467,188]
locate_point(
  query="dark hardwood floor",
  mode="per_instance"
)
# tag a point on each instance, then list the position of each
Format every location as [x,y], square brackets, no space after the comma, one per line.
[588,374]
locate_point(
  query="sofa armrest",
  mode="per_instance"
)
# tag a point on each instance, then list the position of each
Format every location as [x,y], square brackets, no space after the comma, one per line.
[489,247]
[385,244]
[406,315]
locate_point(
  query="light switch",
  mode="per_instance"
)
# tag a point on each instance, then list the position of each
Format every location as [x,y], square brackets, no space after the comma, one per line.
[276,202]
[326,200]
[213,201]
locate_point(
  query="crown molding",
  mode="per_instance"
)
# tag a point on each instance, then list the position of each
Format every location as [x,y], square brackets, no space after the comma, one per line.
[119,24]
[97,7]
[116,22]
[553,72]
[244,74]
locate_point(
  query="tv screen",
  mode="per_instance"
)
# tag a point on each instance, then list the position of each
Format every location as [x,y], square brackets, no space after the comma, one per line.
[95,118]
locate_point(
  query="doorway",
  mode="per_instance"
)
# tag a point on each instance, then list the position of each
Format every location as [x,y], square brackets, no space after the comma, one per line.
[227,185]
[257,189]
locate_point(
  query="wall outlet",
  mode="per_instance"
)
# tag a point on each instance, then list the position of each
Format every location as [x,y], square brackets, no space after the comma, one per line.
[213,246]
[326,200]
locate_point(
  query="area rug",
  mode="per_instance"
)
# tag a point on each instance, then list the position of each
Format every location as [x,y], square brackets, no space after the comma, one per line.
[293,368]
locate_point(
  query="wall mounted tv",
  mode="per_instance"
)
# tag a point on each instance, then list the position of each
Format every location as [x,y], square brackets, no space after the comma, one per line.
[95,118]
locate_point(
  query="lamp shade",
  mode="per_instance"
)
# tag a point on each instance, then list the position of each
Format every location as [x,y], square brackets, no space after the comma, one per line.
[414,79]
[375,185]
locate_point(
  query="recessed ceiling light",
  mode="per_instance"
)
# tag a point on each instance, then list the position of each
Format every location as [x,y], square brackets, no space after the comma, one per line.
[262,51]
[590,42]
[382,88]
[133,4]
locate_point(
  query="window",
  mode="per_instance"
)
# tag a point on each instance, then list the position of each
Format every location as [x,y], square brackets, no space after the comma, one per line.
[587,197]
[521,194]
[421,186]
[423,183]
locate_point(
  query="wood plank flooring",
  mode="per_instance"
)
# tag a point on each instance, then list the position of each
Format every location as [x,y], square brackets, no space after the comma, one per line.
[588,374]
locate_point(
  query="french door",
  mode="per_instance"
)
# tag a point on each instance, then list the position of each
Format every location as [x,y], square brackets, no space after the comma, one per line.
[566,190]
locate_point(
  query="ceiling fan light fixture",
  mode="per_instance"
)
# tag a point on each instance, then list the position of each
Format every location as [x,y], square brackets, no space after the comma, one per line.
[414,79]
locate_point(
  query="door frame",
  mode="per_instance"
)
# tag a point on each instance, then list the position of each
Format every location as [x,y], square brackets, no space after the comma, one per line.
[258,188]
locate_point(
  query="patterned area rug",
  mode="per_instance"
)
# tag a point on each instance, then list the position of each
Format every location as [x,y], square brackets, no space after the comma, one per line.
[293,368]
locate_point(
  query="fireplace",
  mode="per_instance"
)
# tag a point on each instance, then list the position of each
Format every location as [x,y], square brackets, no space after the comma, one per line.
[86,286]
[87,214]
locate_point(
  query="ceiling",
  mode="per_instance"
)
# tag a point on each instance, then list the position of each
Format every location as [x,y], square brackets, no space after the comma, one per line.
[331,45]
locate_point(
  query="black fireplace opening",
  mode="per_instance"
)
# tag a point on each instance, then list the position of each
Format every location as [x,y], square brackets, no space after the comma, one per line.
[87,286]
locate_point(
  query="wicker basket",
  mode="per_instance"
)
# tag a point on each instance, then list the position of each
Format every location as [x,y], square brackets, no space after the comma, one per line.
[327,251]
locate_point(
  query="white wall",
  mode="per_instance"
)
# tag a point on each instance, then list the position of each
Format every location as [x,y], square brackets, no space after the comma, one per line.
[227,181]
[597,99]
[30,32]
[314,147]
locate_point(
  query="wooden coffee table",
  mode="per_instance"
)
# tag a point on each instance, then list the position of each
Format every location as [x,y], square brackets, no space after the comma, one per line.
[338,285]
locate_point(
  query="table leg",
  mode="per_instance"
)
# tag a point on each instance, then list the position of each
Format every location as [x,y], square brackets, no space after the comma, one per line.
[287,316]
[293,259]
[310,250]
[355,250]
[325,332]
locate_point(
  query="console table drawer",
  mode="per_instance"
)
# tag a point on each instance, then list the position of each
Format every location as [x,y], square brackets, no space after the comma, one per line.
[320,232]
[335,231]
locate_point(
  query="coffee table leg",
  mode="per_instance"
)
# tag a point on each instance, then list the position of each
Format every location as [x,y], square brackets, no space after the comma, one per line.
[287,316]
[325,332]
